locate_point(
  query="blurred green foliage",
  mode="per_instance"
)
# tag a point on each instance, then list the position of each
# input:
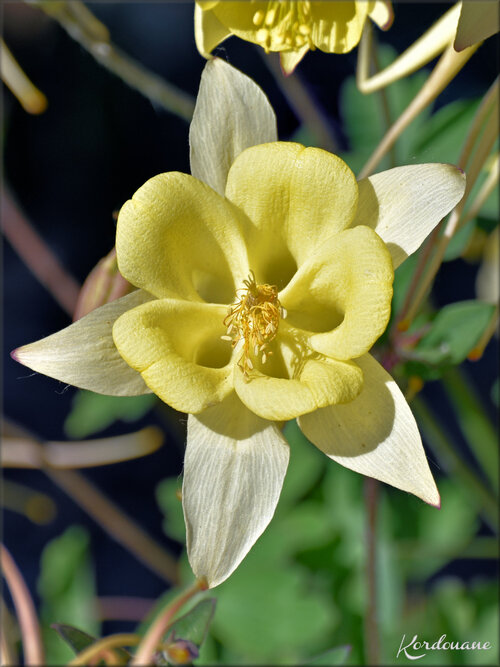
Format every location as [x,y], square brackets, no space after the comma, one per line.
[92,413]
[66,586]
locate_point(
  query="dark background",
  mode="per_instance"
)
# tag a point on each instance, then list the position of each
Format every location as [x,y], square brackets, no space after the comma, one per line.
[73,166]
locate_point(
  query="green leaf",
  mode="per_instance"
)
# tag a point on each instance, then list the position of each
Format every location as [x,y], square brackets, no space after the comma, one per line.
[170,504]
[92,413]
[474,422]
[441,536]
[441,138]
[194,625]
[364,116]
[271,614]
[495,392]
[456,329]
[306,465]
[402,279]
[76,639]
[67,589]
[336,656]
[459,241]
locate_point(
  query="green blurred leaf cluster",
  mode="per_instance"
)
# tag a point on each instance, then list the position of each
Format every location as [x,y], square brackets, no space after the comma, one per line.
[66,586]
[451,335]
[92,413]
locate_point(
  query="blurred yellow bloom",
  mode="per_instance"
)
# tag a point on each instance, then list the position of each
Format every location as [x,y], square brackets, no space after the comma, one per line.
[264,279]
[290,28]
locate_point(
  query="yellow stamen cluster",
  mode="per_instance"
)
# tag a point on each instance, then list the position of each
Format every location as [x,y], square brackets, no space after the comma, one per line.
[284,26]
[252,321]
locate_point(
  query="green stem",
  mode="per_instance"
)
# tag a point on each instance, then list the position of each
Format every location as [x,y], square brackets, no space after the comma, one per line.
[444,450]
[474,422]
[372,644]
[384,100]
[160,625]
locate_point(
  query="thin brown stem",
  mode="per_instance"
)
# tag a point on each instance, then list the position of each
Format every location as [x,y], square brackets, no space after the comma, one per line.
[401,324]
[153,637]
[116,523]
[8,653]
[37,256]
[372,642]
[302,104]
[447,68]
[25,610]
[77,19]
[104,645]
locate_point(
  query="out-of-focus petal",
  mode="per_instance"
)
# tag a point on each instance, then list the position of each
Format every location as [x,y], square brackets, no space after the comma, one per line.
[381,13]
[337,26]
[478,21]
[290,59]
[209,32]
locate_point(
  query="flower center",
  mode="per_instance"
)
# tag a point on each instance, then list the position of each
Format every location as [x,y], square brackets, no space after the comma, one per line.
[252,321]
[284,26]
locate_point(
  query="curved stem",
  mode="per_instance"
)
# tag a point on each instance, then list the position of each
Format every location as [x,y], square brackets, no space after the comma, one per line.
[104,644]
[422,51]
[160,625]
[32,100]
[37,256]
[25,610]
[87,30]
[301,103]
[446,69]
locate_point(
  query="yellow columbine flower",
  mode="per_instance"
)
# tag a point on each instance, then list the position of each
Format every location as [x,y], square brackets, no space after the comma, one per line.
[264,279]
[290,28]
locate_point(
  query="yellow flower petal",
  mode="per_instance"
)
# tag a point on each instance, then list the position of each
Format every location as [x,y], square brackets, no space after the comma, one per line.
[316,381]
[176,346]
[290,59]
[296,198]
[181,239]
[231,114]
[234,468]
[403,205]
[337,26]
[381,13]
[478,21]
[342,295]
[375,435]
[84,354]
[209,32]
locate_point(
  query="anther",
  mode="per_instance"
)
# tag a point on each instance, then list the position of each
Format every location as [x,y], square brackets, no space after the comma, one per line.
[252,322]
